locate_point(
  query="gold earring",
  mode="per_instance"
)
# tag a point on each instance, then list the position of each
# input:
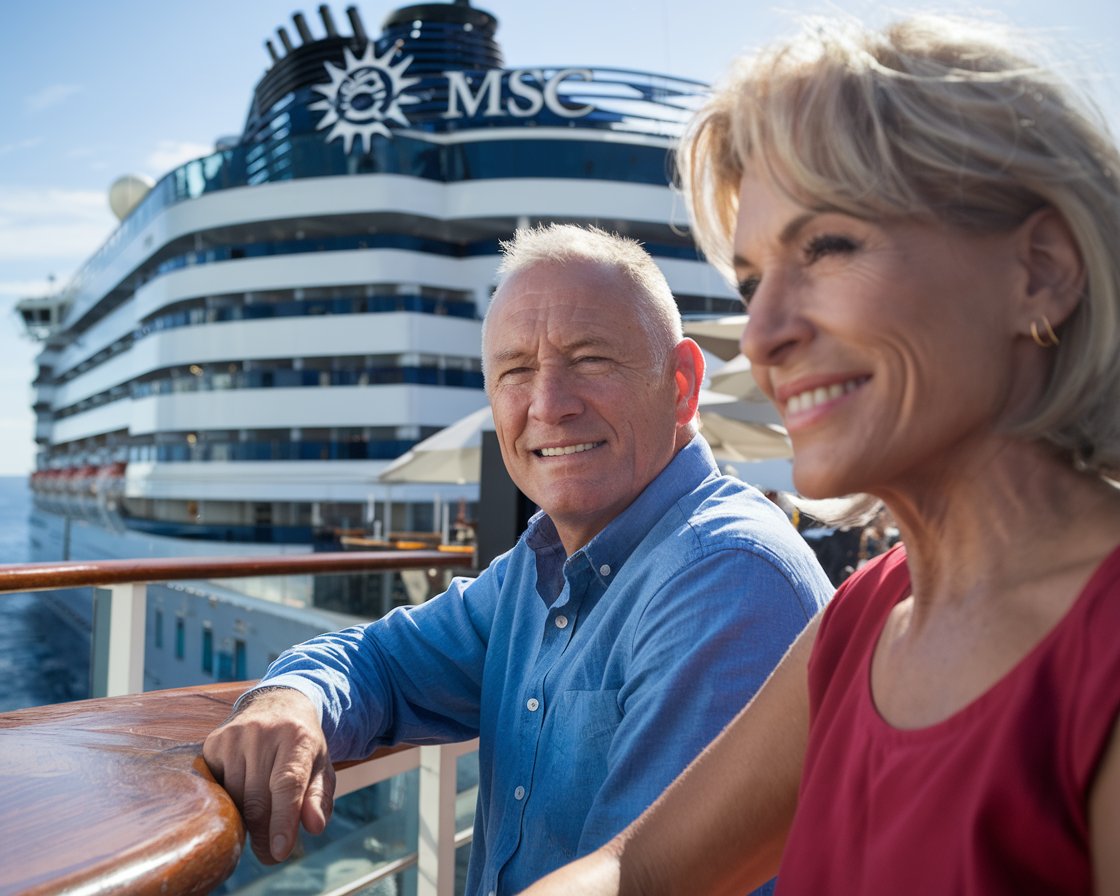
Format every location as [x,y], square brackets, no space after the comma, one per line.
[1047,339]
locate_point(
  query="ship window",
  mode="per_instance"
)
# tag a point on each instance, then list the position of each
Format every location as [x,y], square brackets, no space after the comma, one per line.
[159,630]
[239,662]
[180,638]
[207,649]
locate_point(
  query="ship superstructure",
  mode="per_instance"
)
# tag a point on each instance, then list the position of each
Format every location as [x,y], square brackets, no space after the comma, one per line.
[271,324]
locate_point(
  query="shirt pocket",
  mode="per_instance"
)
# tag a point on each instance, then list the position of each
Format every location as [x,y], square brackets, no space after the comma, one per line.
[588,715]
[572,769]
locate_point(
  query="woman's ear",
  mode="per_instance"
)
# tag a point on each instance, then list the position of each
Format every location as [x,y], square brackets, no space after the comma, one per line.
[1055,269]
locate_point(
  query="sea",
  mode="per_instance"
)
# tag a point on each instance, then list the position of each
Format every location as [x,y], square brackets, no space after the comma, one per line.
[42,660]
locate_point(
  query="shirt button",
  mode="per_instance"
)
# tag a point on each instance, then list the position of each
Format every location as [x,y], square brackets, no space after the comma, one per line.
[561,621]
[519,793]
[605,569]
[532,704]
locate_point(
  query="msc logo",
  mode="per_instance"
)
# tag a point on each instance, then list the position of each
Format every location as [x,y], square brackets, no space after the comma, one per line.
[363,96]
[369,92]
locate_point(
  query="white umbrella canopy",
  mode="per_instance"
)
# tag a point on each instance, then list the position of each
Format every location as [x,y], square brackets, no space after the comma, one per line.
[736,440]
[734,378]
[740,430]
[453,454]
[751,408]
[718,335]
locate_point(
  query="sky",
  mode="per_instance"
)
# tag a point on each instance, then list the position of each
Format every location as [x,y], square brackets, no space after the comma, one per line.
[93,91]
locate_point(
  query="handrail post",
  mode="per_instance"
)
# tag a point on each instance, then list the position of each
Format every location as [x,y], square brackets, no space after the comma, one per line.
[118,640]
[435,853]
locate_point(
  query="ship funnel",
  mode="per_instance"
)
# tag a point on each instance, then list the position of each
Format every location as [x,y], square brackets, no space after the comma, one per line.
[328,20]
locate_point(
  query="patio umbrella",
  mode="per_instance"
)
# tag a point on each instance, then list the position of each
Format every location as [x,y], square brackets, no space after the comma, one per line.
[718,335]
[453,454]
[736,440]
[734,378]
[741,430]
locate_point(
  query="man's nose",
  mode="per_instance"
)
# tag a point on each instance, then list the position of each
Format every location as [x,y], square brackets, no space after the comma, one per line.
[556,395]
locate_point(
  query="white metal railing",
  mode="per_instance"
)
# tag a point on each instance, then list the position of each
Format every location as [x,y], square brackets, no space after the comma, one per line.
[438,837]
[117,646]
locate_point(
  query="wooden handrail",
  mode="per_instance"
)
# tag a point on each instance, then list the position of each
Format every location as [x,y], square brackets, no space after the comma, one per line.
[71,574]
[112,796]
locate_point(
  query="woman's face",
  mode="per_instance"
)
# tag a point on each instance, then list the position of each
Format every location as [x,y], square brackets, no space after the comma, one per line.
[888,346]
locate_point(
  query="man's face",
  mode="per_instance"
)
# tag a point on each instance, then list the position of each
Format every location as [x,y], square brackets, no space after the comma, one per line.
[585,415]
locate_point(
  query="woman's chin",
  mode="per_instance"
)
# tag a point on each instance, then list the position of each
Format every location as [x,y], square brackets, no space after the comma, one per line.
[819,481]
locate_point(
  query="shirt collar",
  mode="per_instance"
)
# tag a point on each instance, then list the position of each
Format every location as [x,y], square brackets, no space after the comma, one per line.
[606,553]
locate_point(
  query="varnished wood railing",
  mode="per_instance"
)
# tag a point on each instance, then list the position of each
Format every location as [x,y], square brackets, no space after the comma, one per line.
[118,646]
[100,573]
[111,795]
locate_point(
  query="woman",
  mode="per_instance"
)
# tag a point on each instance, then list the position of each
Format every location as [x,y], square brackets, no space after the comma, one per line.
[922,227]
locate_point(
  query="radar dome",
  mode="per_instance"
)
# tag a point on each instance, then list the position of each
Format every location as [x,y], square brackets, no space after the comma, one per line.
[126,192]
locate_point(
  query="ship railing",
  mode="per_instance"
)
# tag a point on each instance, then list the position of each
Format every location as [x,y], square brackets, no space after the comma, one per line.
[111,794]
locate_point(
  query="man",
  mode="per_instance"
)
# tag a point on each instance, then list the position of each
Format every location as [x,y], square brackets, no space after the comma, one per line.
[639,611]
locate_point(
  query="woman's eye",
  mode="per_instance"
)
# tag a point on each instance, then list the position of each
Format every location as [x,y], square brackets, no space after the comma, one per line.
[829,244]
[747,287]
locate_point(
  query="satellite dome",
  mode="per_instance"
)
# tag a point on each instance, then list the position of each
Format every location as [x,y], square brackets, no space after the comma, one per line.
[126,192]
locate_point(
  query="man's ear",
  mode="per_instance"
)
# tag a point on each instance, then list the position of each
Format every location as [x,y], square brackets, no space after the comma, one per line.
[1055,270]
[688,362]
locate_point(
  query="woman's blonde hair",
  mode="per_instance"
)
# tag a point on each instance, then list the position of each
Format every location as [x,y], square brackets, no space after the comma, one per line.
[931,116]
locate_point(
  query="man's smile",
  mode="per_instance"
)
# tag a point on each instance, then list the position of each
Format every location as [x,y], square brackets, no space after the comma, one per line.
[567,449]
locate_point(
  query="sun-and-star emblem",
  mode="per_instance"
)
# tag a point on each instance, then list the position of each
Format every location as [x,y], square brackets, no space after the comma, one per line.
[363,96]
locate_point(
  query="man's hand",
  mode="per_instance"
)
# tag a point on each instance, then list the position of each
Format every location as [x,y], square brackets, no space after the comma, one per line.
[271,757]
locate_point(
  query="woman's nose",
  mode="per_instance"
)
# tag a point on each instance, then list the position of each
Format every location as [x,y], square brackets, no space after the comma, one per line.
[775,323]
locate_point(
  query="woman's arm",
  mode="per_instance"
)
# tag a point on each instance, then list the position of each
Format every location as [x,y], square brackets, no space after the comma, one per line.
[721,826]
[1104,820]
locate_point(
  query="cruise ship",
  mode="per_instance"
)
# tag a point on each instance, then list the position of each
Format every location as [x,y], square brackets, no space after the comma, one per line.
[271,325]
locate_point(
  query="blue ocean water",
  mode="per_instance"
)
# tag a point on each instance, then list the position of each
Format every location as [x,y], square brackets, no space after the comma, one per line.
[42,660]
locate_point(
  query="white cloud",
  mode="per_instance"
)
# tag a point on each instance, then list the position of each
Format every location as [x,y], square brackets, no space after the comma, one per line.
[170,154]
[48,202]
[29,143]
[22,288]
[52,223]
[84,151]
[51,95]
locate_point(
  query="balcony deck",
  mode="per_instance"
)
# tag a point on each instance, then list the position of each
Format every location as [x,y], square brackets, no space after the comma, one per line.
[112,795]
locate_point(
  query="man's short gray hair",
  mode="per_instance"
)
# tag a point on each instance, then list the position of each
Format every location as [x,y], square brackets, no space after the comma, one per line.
[657,309]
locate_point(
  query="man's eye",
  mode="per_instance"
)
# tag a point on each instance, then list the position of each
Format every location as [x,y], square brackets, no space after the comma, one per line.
[829,244]
[747,287]
[515,375]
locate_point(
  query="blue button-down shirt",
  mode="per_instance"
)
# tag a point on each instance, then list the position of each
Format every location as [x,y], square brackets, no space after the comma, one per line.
[592,680]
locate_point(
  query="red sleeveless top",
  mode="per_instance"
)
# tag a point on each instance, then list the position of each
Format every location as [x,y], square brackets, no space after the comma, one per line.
[991,801]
